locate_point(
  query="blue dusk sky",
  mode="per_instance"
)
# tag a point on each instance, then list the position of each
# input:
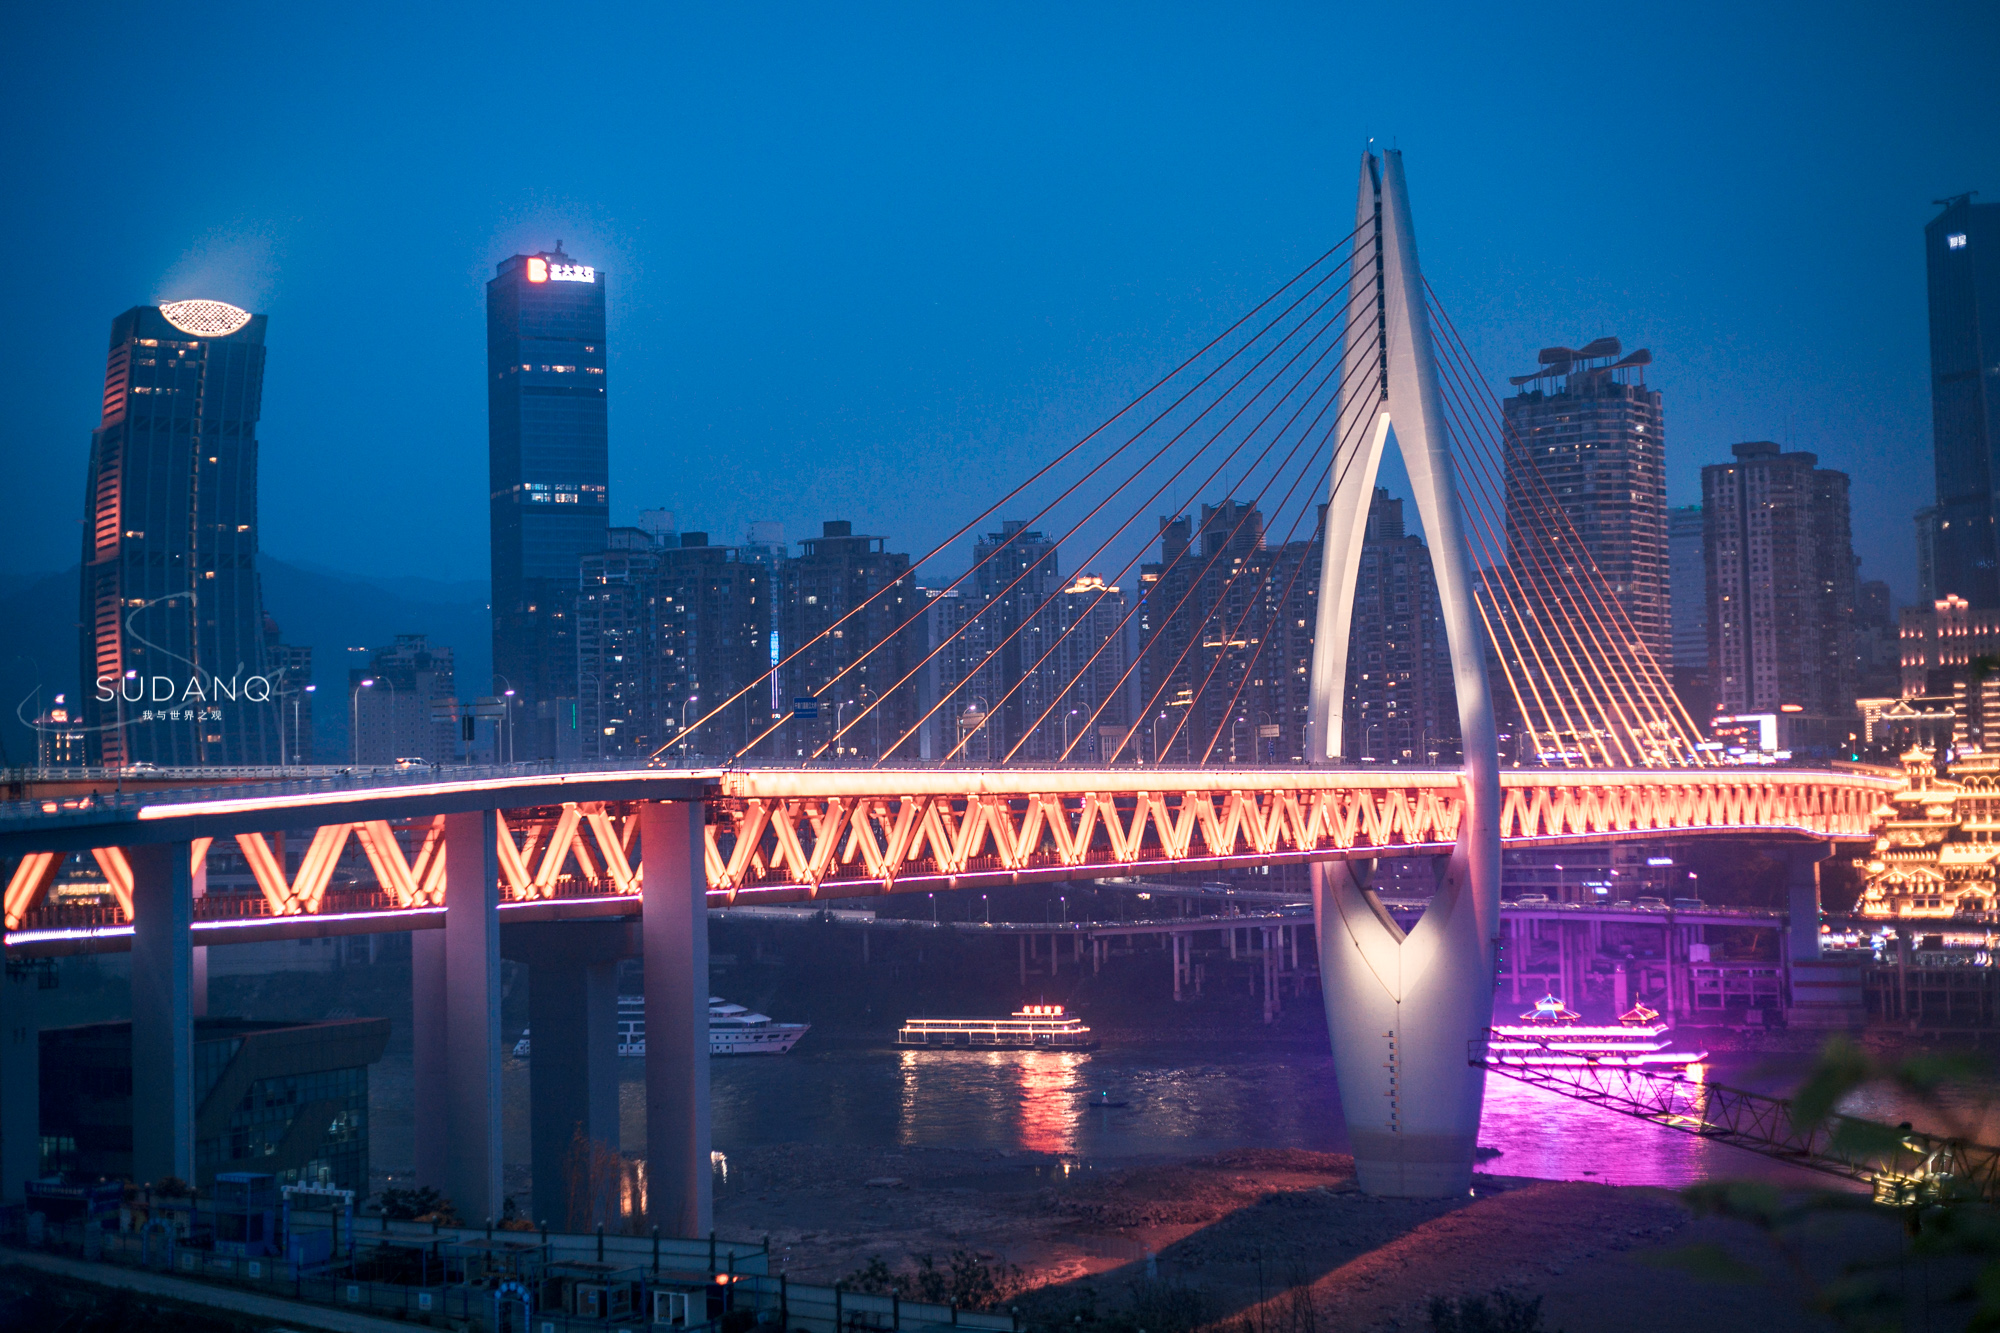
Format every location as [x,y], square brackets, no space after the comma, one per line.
[875,262]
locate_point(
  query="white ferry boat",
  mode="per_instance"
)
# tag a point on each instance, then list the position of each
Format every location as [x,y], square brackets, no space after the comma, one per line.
[1038,1027]
[732,1030]
[1550,1034]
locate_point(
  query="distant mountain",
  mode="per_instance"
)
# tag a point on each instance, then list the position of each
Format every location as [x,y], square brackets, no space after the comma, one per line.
[331,611]
[38,648]
[335,612]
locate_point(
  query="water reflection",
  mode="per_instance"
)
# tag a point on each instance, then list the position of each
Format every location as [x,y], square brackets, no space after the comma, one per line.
[1194,1100]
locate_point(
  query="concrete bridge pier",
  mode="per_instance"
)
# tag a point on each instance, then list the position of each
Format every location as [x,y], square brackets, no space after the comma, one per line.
[1402,1011]
[573,1066]
[456,1009]
[674,941]
[162,1012]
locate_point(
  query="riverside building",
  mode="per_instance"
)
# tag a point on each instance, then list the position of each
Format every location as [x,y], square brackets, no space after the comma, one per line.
[172,615]
[1956,540]
[1780,567]
[548,481]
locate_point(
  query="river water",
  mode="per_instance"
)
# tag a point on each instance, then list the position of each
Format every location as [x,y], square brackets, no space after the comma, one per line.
[1199,1100]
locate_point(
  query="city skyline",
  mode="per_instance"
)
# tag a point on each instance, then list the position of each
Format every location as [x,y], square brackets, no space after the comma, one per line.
[755,390]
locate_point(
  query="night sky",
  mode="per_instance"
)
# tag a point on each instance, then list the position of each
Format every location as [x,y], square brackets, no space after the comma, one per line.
[874,263]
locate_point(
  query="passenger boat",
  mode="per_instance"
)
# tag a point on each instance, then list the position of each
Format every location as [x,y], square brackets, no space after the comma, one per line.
[1037,1027]
[1551,1034]
[732,1030]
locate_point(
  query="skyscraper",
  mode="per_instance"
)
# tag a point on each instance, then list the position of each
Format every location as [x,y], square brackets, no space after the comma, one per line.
[1400,705]
[1780,566]
[172,611]
[839,666]
[1688,579]
[1585,447]
[549,479]
[1956,538]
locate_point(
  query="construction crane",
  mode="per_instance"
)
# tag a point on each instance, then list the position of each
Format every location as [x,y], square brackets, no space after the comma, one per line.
[1899,1164]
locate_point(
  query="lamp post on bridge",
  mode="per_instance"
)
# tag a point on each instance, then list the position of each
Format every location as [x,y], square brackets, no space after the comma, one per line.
[1156,738]
[691,699]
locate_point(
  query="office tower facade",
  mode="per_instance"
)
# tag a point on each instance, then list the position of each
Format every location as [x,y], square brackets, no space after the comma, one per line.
[1779,557]
[172,621]
[549,480]
[1956,540]
[1585,463]
[403,704]
[837,667]
[1687,579]
[1401,708]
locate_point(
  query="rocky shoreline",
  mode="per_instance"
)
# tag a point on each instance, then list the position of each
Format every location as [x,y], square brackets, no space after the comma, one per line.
[1279,1238]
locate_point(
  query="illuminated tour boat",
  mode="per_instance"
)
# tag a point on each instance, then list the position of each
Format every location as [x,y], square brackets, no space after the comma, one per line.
[1551,1034]
[1037,1027]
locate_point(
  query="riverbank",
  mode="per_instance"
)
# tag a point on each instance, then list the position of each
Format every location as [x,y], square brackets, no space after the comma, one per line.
[1282,1238]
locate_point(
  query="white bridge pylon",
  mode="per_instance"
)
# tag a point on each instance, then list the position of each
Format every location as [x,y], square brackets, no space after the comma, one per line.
[1401,1008]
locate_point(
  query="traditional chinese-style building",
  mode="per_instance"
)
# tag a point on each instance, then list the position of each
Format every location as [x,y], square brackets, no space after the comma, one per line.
[1936,855]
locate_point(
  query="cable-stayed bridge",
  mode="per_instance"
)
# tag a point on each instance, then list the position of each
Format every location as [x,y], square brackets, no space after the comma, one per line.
[928,782]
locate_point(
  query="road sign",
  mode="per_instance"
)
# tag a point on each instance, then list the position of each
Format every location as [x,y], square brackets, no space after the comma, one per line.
[805,708]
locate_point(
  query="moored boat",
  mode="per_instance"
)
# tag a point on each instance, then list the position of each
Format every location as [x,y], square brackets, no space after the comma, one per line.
[733,1029]
[1551,1034]
[1035,1027]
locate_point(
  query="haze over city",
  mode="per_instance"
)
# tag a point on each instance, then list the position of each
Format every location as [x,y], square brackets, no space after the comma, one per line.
[862,261]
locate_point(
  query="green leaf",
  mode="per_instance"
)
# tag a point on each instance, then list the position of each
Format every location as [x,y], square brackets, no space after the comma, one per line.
[1742,1199]
[1705,1261]
[1841,1068]
[1927,1072]
[1865,1138]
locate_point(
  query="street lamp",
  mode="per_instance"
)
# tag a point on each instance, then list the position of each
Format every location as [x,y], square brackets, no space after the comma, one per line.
[1156,737]
[838,748]
[508,700]
[354,722]
[298,747]
[691,699]
[987,904]
[1066,717]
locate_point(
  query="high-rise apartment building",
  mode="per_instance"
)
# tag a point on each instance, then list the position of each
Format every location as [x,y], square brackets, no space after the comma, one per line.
[764,544]
[1585,448]
[667,634]
[1035,671]
[403,704]
[838,666]
[548,480]
[1401,708]
[1958,548]
[172,611]
[1780,570]
[1687,579]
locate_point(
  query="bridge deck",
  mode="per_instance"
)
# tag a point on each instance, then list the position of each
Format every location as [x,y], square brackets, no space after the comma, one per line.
[568,839]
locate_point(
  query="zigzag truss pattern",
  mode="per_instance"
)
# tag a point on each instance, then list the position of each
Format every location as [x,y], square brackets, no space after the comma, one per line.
[802,835]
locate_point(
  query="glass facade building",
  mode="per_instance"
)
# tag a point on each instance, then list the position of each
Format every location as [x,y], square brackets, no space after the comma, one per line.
[172,617]
[1956,537]
[549,474]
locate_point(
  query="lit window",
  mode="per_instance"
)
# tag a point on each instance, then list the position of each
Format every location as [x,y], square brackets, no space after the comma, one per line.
[1956,240]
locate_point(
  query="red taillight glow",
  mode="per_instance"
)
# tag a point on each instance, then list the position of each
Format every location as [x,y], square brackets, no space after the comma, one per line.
[538,270]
